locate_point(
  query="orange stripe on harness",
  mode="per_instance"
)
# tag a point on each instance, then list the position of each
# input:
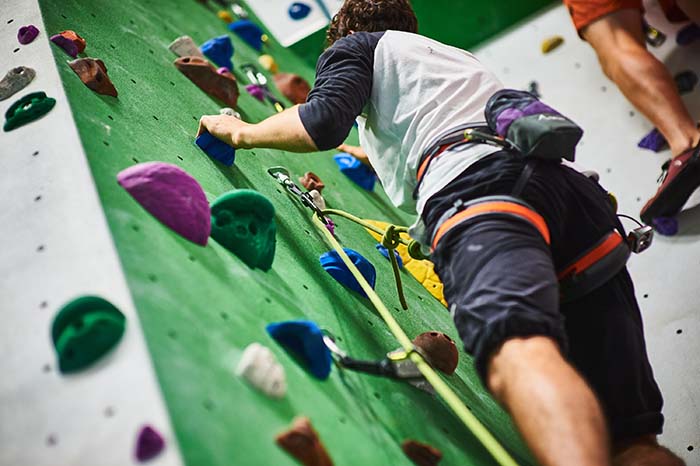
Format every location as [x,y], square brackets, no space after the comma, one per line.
[426,162]
[608,245]
[494,207]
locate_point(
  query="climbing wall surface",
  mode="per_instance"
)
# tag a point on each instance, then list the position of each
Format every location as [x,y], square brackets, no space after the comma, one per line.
[200,306]
[57,246]
[570,79]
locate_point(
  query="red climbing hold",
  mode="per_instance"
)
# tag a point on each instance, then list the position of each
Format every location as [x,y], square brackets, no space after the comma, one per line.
[420,453]
[27,34]
[293,87]
[172,196]
[204,75]
[69,41]
[439,350]
[303,443]
[93,73]
[149,444]
[311,181]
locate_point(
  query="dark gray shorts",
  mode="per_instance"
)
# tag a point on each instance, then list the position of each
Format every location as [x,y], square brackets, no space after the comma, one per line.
[500,282]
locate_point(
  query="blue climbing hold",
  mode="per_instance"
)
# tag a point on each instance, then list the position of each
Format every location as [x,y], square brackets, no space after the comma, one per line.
[219,50]
[304,340]
[385,253]
[334,265]
[216,149]
[666,226]
[358,172]
[249,32]
[299,10]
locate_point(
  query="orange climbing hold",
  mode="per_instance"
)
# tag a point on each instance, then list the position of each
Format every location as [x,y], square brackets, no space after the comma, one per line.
[225,16]
[93,73]
[293,87]
[222,86]
[303,443]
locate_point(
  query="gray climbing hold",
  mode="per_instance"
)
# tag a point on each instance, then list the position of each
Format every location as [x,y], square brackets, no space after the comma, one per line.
[15,80]
[230,112]
[318,199]
[260,368]
[184,46]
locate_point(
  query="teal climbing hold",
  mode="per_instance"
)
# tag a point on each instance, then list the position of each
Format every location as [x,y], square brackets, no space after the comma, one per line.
[27,109]
[243,221]
[84,330]
[334,265]
[303,339]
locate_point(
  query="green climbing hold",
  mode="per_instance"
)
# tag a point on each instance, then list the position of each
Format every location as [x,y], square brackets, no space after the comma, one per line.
[84,330]
[243,221]
[27,109]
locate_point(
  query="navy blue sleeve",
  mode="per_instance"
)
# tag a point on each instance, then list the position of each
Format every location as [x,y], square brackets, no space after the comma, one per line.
[342,88]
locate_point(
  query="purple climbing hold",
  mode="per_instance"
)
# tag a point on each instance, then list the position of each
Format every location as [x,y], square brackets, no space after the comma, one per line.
[653,141]
[666,226]
[299,10]
[148,444]
[172,196]
[385,252]
[256,91]
[70,42]
[688,34]
[27,34]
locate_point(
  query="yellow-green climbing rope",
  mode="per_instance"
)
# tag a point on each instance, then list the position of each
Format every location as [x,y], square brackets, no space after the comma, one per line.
[441,388]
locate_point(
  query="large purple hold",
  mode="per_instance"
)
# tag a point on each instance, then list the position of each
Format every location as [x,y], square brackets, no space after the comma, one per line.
[26,34]
[148,444]
[653,141]
[666,226]
[172,196]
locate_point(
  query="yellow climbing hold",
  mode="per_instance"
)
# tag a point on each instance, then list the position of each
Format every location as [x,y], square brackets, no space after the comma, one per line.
[269,63]
[551,43]
[225,16]
[422,270]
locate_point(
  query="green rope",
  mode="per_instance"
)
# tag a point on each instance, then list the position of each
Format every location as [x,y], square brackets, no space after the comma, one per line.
[441,388]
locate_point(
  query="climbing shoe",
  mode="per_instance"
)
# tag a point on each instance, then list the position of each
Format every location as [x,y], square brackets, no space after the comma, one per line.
[680,177]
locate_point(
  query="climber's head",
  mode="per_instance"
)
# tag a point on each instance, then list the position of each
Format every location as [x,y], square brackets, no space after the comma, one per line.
[371,16]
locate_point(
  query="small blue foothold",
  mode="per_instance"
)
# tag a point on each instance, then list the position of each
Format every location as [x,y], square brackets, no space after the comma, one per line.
[334,265]
[304,340]
[299,10]
[666,226]
[249,32]
[219,50]
[385,253]
[358,172]
[216,149]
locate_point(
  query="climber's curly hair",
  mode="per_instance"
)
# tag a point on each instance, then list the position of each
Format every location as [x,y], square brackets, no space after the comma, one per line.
[371,16]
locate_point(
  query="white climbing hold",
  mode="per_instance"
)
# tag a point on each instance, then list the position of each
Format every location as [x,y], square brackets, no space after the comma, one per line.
[184,46]
[318,199]
[230,112]
[260,368]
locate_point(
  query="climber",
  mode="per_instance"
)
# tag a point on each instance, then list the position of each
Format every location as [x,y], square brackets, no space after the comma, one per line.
[575,377]
[614,28]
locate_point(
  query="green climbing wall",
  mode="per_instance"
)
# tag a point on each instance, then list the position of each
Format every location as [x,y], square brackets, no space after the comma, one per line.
[200,306]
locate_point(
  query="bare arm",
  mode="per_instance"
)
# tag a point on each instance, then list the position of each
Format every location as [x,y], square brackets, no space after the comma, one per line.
[283,131]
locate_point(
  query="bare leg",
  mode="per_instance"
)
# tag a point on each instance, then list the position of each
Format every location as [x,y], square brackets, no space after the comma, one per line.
[619,42]
[553,407]
[644,451]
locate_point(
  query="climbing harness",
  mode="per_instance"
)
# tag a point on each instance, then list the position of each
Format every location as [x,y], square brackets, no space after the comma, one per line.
[450,398]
